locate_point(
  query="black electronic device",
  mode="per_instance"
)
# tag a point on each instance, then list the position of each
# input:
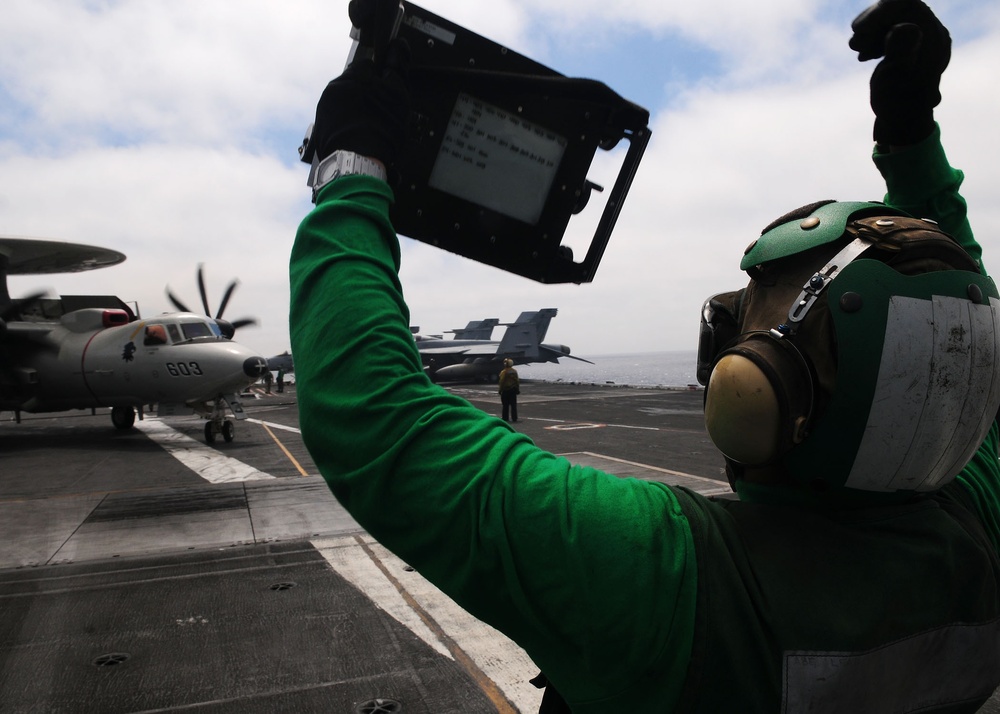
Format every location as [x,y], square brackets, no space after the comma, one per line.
[499,146]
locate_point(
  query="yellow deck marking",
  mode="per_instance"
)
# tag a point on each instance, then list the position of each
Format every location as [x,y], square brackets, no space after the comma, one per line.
[282,447]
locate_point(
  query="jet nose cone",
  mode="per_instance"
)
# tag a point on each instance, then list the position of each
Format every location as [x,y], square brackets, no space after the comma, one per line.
[255,367]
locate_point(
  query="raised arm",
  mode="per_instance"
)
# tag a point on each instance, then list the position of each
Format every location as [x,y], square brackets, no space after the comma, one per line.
[549,553]
[915,49]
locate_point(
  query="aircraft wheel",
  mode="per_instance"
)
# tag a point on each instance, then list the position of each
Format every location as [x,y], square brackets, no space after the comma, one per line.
[123,417]
[209,432]
[228,431]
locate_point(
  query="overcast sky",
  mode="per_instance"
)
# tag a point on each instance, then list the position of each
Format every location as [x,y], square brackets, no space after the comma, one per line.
[167,129]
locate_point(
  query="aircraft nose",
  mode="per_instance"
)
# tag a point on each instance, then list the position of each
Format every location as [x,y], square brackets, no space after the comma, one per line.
[255,367]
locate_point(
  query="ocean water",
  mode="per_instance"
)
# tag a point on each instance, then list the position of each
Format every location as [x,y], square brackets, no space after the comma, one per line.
[644,369]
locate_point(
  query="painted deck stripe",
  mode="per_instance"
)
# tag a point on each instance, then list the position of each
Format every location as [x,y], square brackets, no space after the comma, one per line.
[204,461]
[431,615]
[487,685]
[709,482]
[273,425]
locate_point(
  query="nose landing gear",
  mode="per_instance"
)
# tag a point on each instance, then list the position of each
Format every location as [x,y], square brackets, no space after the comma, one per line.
[224,427]
[218,423]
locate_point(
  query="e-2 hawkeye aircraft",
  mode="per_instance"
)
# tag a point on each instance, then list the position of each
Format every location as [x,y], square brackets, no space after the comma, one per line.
[472,355]
[91,351]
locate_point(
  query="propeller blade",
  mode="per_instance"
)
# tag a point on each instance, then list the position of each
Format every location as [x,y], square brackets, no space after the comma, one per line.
[15,308]
[225,298]
[227,328]
[201,289]
[177,303]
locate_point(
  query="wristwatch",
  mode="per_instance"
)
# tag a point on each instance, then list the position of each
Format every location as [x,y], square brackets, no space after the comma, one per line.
[342,163]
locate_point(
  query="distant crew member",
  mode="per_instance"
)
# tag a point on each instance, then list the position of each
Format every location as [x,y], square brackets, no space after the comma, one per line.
[268,380]
[281,380]
[509,387]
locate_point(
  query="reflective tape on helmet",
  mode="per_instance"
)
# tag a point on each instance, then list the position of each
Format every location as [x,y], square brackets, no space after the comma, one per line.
[934,399]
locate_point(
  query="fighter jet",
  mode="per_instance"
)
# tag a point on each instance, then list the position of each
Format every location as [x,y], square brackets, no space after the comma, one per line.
[283,362]
[472,355]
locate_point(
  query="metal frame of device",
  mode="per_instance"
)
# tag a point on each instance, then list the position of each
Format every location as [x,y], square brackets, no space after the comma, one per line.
[499,148]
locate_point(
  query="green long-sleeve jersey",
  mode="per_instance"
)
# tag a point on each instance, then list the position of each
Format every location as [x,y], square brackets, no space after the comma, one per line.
[621,590]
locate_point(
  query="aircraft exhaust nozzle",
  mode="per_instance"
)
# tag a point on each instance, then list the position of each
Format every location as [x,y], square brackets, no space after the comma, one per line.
[255,367]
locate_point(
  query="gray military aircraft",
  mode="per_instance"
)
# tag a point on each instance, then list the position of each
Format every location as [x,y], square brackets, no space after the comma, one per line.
[473,355]
[91,351]
[283,362]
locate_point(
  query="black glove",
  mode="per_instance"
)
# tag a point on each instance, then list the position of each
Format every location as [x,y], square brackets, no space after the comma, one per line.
[904,85]
[365,109]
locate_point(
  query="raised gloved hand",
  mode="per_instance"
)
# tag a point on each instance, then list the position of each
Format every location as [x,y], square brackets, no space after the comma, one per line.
[365,109]
[905,85]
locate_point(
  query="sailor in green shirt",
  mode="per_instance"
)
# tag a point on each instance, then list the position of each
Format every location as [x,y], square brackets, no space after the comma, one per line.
[852,387]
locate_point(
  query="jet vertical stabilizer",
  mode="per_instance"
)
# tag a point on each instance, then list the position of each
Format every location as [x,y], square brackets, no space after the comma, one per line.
[525,334]
[476,330]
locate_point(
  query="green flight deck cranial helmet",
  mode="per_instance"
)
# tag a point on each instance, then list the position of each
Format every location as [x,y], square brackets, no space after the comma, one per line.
[862,355]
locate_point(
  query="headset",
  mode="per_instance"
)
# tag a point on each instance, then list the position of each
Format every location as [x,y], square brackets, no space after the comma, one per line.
[761,388]
[765,394]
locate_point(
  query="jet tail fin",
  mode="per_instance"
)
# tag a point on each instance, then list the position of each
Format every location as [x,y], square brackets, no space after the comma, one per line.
[524,335]
[476,330]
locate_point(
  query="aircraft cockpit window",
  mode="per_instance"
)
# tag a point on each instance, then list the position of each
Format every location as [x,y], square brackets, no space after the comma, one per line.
[175,334]
[197,330]
[155,335]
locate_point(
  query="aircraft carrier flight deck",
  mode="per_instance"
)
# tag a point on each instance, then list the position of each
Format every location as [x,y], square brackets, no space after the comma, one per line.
[147,571]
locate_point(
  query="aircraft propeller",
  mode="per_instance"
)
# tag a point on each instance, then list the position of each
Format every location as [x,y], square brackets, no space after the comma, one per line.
[13,310]
[228,328]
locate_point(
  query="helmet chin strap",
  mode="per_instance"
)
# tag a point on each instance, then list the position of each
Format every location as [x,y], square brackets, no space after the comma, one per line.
[816,284]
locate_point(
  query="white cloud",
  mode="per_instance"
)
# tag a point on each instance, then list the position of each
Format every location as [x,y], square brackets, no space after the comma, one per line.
[168,130]
[729,26]
[190,72]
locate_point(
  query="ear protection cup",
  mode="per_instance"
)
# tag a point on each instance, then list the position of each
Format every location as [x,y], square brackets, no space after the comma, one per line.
[877,371]
[759,399]
[720,326]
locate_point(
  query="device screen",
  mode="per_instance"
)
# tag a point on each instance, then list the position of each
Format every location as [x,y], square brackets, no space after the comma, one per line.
[497,160]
